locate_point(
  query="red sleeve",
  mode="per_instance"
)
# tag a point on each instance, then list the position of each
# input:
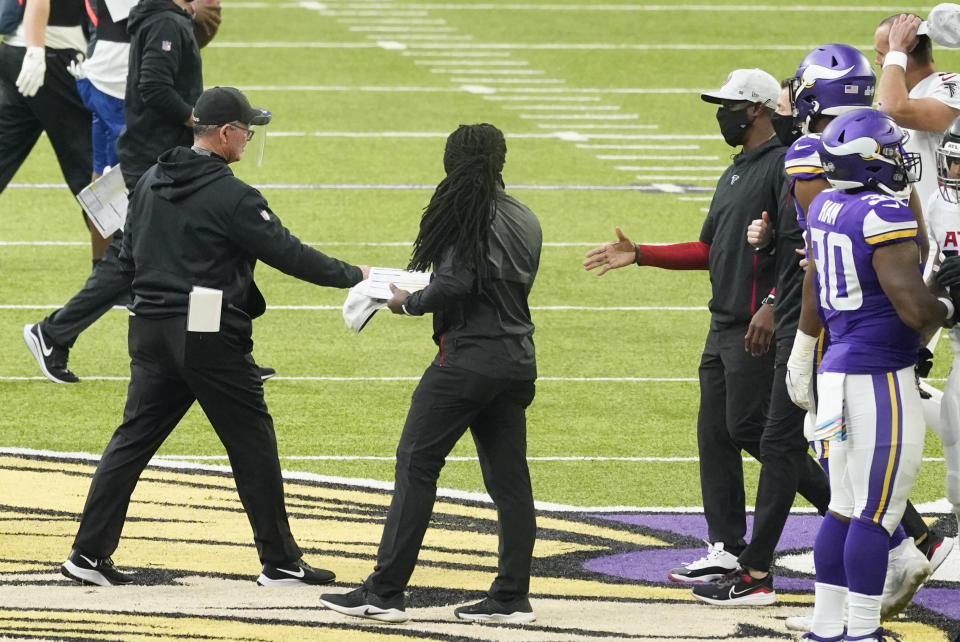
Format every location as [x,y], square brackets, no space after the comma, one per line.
[676,256]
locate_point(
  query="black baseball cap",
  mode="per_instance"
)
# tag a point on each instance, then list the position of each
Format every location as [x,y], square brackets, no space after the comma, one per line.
[222,105]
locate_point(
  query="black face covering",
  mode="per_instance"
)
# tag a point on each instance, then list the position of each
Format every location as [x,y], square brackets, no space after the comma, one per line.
[733,125]
[787,128]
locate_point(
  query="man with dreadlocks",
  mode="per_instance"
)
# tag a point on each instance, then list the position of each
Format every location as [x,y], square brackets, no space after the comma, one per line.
[484,249]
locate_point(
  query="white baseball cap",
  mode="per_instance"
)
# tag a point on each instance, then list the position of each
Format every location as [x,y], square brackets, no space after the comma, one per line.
[943,25]
[754,85]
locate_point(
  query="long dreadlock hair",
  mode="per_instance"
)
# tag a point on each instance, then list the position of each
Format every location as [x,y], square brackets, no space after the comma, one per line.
[463,206]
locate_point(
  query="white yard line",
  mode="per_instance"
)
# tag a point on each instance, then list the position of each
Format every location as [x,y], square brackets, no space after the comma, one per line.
[666,168]
[475,63]
[641,157]
[513,46]
[519,73]
[625,147]
[563,107]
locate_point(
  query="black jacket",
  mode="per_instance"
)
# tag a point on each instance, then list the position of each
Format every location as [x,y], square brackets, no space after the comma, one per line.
[488,331]
[163,83]
[741,277]
[192,222]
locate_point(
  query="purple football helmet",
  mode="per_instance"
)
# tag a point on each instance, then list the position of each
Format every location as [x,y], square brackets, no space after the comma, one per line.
[864,148]
[831,80]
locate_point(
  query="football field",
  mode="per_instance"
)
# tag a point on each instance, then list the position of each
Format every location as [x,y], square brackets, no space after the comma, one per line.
[599,103]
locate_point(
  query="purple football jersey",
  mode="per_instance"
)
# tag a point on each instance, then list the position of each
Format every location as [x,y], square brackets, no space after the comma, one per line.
[803,162]
[866,334]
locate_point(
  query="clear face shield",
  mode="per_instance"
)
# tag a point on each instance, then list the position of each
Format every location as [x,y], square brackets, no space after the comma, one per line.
[948,171]
[259,141]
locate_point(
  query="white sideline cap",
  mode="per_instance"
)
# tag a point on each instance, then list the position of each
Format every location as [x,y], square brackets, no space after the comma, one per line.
[943,25]
[754,85]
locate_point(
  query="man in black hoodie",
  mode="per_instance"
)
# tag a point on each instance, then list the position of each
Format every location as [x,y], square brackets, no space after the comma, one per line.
[163,83]
[193,223]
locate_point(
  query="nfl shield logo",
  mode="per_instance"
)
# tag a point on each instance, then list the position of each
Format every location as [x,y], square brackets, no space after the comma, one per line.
[265,215]
[165,45]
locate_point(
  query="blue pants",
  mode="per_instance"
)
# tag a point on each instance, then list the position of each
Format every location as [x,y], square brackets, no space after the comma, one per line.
[107,123]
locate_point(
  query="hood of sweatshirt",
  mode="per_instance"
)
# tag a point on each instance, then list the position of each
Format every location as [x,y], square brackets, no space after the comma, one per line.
[181,172]
[147,9]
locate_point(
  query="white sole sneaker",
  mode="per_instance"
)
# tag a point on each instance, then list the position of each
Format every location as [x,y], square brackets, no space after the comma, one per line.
[394,616]
[517,617]
[263,580]
[82,575]
[757,599]
[799,623]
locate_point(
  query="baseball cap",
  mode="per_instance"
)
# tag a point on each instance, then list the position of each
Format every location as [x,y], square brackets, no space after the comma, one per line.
[222,105]
[943,25]
[754,85]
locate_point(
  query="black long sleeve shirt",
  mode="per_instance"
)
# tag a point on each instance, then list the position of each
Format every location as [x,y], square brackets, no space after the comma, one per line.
[488,329]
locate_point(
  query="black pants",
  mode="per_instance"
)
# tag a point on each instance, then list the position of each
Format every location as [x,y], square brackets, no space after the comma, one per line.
[734,397]
[106,287]
[786,468]
[446,402]
[56,109]
[169,369]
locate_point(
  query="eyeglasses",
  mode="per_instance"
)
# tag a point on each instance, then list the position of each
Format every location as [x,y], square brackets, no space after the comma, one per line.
[249,132]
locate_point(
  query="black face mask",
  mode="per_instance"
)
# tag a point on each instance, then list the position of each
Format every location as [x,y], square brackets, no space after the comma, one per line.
[786,128]
[733,125]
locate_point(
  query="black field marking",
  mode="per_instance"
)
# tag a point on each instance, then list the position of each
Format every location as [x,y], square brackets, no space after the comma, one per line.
[194,563]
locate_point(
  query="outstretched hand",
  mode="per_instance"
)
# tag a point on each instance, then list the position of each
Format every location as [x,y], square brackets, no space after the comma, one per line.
[611,256]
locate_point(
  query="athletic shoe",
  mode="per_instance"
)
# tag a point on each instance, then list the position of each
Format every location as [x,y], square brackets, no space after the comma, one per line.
[496,612]
[805,622]
[293,574]
[51,358]
[799,622]
[266,373]
[938,550]
[737,588]
[907,568]
[880,635]
[362,603]
[93,570]
[713,566]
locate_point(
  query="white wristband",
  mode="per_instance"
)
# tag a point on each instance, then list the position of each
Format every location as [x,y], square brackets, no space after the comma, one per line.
[895,59]
[403,306]
[948,304]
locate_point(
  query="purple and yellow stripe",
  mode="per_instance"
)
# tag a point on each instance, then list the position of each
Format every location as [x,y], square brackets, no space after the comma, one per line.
[887,447]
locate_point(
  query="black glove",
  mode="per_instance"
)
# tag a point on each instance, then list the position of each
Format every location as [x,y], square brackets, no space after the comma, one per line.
[924,363]
[949,274]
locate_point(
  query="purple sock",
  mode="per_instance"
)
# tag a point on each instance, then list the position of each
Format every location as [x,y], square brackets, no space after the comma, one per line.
[898,536]
[828,551]
[865,556]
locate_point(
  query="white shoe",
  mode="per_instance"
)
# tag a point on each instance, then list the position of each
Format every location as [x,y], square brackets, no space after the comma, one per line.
[907,569]
[800,622]
[711,567]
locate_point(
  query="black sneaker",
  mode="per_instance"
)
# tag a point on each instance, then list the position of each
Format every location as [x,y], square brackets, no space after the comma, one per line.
[736,589]
[491,610]
[937,548]
[51,358]
[293,574]
[362,603]
[266,373]
[93,570]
